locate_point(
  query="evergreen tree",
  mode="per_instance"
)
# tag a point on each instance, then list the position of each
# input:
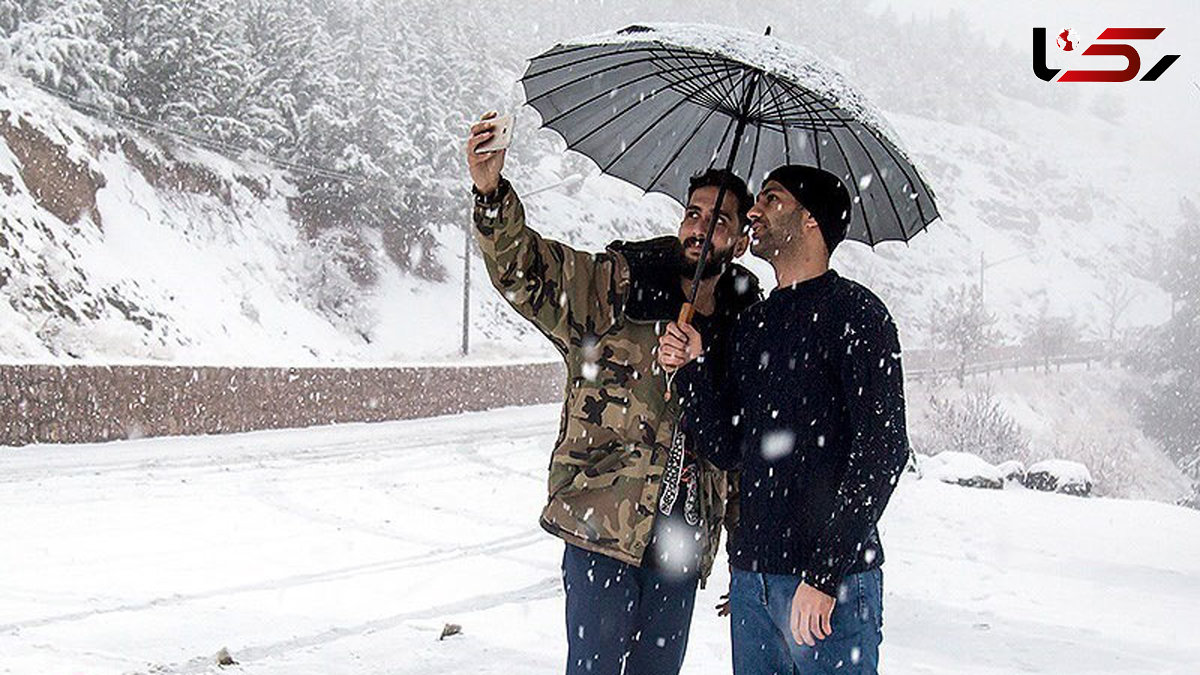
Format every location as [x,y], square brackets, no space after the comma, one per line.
[183,63]
[13,14]
[288,87]
[1170,410]
[60,44]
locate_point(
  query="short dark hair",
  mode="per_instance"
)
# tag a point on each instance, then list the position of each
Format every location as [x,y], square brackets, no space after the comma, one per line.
[733,185]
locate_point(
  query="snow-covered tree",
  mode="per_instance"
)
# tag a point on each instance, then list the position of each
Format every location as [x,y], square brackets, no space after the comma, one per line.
[184,64]
[975,423]
[1170,410]
[1116,299]
[13,13]
[290,97]
[961,324]
[338,266]
[60,44]
[412,80]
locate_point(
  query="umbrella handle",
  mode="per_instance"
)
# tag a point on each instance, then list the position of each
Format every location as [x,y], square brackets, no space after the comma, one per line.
[686,312]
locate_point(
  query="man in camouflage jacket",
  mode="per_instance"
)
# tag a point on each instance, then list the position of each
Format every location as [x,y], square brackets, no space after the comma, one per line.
[620,472]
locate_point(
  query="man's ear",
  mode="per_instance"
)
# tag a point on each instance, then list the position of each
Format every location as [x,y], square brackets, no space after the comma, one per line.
[740,246]
[807,221]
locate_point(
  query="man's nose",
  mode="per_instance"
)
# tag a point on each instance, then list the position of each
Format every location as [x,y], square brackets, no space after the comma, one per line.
[695,227]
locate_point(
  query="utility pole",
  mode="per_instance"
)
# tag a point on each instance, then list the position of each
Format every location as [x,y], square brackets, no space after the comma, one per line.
[466,306]
[572,179]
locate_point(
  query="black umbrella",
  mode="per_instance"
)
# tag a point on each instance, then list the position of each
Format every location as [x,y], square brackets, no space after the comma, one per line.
[655,104]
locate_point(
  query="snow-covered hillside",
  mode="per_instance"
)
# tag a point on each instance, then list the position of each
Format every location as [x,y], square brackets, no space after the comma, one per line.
[180,255]
[1062,207]
[347,549]
[121,248]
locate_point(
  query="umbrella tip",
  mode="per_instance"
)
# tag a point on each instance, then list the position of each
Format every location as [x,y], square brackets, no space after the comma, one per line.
[768,31]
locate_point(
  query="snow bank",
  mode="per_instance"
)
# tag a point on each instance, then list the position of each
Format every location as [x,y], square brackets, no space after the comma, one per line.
[1012,470]
[1059,475]
[961,468]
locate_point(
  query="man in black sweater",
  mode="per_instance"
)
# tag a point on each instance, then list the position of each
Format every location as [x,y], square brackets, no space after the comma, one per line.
[812,413]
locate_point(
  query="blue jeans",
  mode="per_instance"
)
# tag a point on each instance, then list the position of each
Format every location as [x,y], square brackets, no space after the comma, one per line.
[762,635]
[620,614]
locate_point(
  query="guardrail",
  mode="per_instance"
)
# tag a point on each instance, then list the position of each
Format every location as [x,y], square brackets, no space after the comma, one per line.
[1014,364]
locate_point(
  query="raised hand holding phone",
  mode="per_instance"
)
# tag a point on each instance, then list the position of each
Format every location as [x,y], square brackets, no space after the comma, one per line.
[502,133]
[485,164]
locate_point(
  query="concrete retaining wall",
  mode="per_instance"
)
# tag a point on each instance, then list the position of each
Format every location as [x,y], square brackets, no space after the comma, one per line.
[82,404]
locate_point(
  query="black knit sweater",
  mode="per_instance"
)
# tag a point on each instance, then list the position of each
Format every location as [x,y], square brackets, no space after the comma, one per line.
[812,412]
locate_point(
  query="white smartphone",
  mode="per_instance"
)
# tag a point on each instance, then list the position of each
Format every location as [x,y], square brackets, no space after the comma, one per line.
[502,134]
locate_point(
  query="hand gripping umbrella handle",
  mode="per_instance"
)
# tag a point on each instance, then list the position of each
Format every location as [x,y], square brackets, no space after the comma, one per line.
[685,316]
[686,312]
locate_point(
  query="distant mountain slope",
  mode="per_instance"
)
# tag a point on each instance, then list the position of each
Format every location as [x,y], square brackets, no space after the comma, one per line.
[116,247]
[121,248]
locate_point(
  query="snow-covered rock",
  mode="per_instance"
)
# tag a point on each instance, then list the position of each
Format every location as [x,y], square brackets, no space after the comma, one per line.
[915,463]
[1079,414]
[962,468]
[1059,475]
[1012,470]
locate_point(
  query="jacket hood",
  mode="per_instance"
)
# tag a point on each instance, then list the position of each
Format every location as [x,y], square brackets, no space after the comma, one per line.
[654,290]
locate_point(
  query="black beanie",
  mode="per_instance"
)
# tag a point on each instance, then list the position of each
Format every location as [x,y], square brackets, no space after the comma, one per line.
[823,194]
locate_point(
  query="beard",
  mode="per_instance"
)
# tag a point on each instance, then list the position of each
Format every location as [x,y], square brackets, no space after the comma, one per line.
[761,249]
[766,244]
[716,264]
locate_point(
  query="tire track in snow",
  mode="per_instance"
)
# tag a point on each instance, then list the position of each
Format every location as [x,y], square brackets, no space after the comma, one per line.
[281,502]
[434,557]
[455,444]
[547,587]
[273,495]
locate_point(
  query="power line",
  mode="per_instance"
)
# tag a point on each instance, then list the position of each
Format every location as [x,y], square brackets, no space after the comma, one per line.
[236,152]
[231,150]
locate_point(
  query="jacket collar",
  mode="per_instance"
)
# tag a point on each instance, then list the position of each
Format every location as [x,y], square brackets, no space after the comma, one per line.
[654,291]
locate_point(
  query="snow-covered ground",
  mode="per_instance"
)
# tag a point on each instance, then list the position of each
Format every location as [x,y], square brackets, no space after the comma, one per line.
[346,549]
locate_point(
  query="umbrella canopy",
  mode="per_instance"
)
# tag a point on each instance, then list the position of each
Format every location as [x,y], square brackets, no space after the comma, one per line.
[655,104]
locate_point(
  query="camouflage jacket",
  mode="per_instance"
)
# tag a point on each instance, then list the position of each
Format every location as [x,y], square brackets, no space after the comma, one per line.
[604,312]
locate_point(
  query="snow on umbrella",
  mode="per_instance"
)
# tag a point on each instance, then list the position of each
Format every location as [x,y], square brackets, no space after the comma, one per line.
[655,104]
